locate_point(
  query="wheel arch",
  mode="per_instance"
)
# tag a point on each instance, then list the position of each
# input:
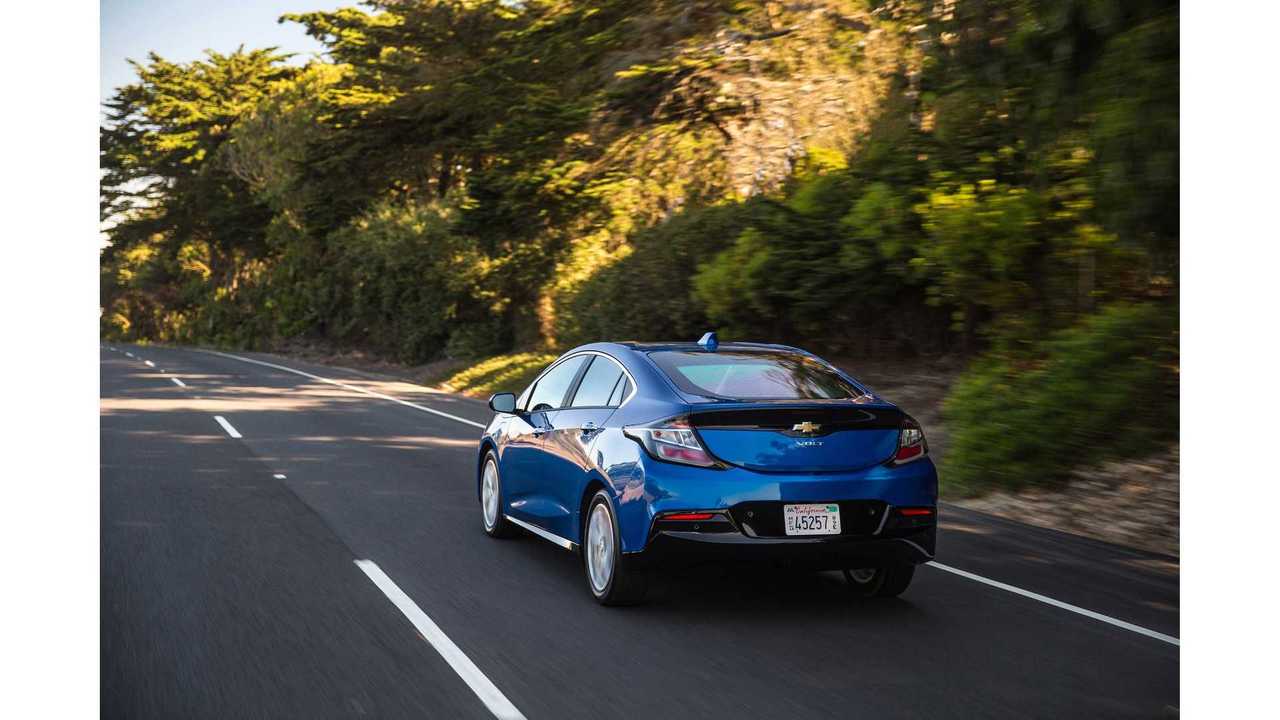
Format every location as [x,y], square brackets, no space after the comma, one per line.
[593,486]
[486,446]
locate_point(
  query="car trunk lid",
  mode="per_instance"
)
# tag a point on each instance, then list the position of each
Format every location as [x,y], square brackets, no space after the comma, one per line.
[799,437]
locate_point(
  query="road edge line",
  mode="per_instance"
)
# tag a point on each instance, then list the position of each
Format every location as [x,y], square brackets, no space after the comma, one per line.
[1059,604]
[345,386]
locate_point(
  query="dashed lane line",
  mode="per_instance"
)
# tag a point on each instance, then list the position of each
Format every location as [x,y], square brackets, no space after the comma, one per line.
[227,426]
[479,683]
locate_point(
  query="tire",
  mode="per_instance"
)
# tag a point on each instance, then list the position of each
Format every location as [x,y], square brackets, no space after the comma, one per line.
[881,582]
[611,579]
[491,518]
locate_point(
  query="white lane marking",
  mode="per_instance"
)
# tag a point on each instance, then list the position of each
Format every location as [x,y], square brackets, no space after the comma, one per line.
[126,352]
[1059,604]
[484,688]
[149,363]
[352,388]
[227,426]
[278,476]
[178,382]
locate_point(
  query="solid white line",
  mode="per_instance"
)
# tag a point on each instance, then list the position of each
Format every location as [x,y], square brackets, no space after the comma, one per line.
[1059,604]
[484,688]
[227,426]
[352,388]
[149,363]
[278,476]
[178,382]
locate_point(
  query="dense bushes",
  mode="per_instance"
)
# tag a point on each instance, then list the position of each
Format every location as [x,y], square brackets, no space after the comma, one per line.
[1107,388]
[404,281]
[649,293]
[398,281]
[812,270]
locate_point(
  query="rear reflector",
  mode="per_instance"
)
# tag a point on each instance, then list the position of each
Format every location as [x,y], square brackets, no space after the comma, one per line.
[909,452]
[912,512]
[689,516]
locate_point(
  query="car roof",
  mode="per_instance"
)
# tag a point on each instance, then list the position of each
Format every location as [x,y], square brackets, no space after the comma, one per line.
[631,349]
[693,346]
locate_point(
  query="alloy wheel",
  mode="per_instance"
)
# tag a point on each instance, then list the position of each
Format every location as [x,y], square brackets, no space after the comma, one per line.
[599,548]
[489,494]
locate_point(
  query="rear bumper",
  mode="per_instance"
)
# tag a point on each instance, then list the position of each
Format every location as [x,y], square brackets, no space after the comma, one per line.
[645,489]
[684,549]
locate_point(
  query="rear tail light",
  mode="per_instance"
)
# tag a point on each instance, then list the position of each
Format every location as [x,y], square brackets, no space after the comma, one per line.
[674,441]
[911,442]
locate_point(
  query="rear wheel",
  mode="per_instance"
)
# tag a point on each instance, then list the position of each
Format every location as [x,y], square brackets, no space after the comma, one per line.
[495,523]
[880,582]
[612,581]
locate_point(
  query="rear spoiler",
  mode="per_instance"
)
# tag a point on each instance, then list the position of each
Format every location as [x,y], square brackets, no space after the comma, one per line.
[820,418]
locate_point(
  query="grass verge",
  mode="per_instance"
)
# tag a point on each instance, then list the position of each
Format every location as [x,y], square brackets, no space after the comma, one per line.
[510,373]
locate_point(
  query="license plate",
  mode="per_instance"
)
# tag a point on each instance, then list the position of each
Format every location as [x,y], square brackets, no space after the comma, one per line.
[812,519]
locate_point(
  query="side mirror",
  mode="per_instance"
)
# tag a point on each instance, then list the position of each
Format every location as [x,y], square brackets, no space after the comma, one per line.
[502,403]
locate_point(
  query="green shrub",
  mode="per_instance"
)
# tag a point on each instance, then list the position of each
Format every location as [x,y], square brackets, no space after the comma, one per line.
[827,269]
[404,282]
[1106,388]
[648,294]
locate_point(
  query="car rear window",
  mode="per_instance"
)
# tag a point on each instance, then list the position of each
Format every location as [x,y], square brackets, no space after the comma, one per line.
[754,375]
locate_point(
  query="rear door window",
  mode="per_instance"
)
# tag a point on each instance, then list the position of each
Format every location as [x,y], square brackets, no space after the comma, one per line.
[754,375]
[598,384]
[620,391]
[549,393]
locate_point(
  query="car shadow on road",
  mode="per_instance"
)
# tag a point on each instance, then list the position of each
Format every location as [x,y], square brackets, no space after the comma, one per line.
[738,590]
[724,593]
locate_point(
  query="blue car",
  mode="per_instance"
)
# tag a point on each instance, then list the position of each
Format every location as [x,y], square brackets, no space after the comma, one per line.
[646,455]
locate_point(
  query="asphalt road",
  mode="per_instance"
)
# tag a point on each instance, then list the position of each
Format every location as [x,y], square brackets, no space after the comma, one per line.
[230,586]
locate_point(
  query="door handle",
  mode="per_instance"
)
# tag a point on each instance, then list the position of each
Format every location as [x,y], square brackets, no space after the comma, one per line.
[540,431]
[589,427]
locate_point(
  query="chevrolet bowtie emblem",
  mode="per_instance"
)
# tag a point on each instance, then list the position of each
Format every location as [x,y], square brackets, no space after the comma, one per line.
[807,427]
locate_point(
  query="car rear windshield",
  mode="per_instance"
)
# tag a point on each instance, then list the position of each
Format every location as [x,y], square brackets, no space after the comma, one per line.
[753,375]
